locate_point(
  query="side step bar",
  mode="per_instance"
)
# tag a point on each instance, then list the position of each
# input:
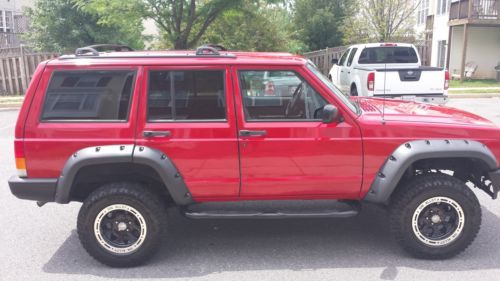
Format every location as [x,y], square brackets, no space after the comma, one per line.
[273,209]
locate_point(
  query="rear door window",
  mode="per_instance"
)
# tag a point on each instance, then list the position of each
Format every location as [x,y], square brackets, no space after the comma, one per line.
[343,58]
[351,56]
[186,95]
[378,55]
[89,95]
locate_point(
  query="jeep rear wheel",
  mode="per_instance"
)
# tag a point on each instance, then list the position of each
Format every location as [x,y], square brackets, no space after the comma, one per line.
[121,224]
[435,216]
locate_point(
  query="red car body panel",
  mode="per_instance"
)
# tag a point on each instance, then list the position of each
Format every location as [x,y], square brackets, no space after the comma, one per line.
[205,153]
[48,145]
[306,160]
[299,158]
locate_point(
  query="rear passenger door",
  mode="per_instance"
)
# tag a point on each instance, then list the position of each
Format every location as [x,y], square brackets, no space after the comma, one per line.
[184,113]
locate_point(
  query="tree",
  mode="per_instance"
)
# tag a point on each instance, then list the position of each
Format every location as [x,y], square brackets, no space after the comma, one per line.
[382,20]
[57,25]
[254,26]
[181,22]
[319,22]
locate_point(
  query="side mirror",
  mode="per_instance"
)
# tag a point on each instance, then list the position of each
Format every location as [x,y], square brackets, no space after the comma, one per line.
[329,114]
[335,61]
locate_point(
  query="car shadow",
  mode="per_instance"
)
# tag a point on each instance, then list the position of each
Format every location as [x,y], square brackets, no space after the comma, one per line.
[201,247]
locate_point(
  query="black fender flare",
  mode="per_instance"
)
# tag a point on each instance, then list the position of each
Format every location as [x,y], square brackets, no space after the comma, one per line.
[130,153]
[400,160]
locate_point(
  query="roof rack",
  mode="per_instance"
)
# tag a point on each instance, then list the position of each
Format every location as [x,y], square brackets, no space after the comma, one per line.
[94,50]
[210,49]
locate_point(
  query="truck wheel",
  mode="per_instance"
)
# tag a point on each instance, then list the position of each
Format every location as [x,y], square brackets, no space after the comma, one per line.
[435,216]
[354,91]
[121,224]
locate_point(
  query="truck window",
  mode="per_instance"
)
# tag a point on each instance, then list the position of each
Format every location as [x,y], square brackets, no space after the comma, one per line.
[351,56]
[89,95]
[344,56]
[378,55]
[186,95]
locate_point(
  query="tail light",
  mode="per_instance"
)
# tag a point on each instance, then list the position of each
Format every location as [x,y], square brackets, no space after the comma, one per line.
[370,84]
[446,79]
[269,89]
[20,160]
[388,45]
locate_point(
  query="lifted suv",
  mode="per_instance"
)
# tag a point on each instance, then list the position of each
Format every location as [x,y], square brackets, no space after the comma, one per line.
[241,135]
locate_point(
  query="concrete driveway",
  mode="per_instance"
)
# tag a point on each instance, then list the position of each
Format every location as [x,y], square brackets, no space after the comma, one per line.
[41,243]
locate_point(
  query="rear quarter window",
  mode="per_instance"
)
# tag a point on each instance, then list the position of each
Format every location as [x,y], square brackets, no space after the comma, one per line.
[89,95]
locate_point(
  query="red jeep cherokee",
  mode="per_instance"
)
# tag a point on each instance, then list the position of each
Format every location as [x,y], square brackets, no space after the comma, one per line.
[241,135]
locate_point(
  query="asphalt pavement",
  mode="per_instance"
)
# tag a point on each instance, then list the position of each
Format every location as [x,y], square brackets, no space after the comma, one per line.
[42,244]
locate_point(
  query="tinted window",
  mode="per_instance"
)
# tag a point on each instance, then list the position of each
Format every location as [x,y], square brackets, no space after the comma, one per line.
[89,95]
[343,58]
[351,56]
[388,55]
[186,95]
[271,95]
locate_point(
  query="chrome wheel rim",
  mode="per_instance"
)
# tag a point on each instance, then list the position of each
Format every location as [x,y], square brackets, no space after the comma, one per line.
[438,221]
[120,229]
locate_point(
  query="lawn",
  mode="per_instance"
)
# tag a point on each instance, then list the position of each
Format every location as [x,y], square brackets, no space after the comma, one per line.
[11,99]
[477,83]
[474,91]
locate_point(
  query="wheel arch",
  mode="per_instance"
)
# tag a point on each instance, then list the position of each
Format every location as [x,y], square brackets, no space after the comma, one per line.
[120,163]
[433,154]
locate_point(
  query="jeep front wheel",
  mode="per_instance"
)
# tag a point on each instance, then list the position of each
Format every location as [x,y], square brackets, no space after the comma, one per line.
[435,216]
[121,224]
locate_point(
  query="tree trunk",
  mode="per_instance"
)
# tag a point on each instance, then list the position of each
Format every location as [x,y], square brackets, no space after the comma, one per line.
[180,44]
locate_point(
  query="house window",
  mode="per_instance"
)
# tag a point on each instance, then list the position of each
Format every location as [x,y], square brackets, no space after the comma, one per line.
[422,11]
[6,21]
[442,6]
[441,53]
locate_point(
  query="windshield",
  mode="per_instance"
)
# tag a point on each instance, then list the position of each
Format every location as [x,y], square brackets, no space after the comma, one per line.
[343,98]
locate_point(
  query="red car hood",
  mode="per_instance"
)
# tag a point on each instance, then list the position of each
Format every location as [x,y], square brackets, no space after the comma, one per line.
[397,110]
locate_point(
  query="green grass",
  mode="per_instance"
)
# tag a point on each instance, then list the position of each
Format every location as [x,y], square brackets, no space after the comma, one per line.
[478,83]
[473,91]
[11,99]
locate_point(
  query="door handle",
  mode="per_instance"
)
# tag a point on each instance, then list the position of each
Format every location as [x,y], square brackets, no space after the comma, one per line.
[341,71]
[348,72]
[248,133]
[152,134]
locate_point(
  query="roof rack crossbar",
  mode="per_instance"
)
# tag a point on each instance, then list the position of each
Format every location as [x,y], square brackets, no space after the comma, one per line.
[207,50]
[93,50]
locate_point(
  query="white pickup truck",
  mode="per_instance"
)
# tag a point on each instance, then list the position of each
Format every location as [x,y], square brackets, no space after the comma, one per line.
[389,70]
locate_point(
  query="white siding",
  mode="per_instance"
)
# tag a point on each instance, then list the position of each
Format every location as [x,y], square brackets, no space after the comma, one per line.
[483,49]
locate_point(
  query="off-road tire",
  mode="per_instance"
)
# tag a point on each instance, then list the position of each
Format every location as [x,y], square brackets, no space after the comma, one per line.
[407,199]
[134,195]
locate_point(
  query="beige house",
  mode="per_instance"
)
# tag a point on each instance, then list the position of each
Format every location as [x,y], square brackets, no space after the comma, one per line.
[461,33]
[12,21]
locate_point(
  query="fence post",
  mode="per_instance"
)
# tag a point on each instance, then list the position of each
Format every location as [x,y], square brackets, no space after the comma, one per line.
[22,63]
[325,61]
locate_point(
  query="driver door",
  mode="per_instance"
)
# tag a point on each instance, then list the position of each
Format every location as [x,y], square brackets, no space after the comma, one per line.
[285,149]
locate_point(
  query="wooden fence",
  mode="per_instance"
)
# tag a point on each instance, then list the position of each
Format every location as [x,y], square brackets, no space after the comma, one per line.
[17,66]
[323,58]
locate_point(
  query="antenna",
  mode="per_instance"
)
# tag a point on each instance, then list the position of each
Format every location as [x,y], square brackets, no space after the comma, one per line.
[383,102]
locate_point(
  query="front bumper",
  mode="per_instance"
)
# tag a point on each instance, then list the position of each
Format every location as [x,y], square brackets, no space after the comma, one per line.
[495,182]
[33,189]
